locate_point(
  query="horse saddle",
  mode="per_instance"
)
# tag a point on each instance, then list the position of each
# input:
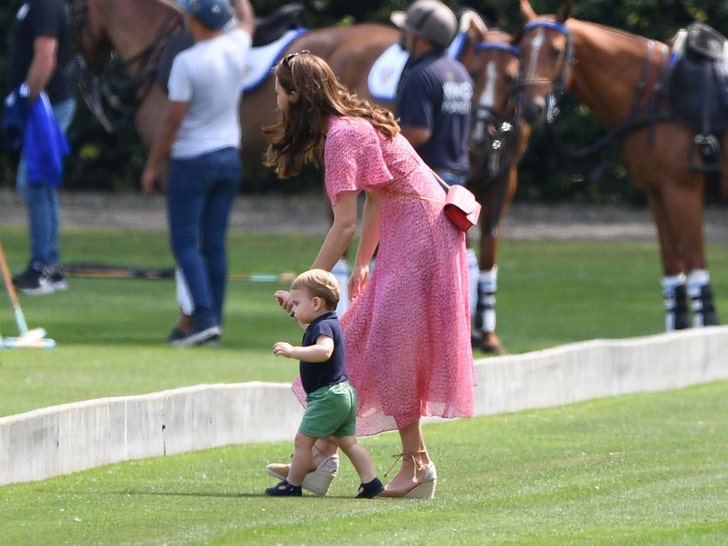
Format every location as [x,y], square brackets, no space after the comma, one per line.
[698,82]
[274,26]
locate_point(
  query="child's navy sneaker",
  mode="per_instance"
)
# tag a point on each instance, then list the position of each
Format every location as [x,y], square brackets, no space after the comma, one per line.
[284,489]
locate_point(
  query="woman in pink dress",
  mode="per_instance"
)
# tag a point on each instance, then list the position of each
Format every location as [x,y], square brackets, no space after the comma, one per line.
[407,332]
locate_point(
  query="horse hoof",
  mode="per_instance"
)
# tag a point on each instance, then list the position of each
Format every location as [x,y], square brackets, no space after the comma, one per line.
[495,350]
[488,345]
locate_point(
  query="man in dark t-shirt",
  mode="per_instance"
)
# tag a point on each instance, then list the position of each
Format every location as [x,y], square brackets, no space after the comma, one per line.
[435,91]
[39,53]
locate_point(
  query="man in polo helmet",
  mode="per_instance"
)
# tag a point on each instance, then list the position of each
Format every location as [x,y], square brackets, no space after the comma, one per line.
[435,91]
[428,19]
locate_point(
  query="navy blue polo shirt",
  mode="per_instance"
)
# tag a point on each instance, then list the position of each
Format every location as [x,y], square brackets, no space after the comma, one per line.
[315,375]
[436,92]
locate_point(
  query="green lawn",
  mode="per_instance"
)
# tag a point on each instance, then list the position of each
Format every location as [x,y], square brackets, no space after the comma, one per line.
[647,469]
[632,470]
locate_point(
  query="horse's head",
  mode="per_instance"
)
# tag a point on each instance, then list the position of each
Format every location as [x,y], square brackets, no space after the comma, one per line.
[495,69]
[90,39]
[494,65]
[547,55]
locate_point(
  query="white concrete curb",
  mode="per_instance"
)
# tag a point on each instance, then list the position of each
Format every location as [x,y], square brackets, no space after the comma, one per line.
[73,437]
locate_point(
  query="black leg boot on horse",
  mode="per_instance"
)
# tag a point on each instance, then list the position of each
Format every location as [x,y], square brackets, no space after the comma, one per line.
[675,296]
[701,296]
[484,325]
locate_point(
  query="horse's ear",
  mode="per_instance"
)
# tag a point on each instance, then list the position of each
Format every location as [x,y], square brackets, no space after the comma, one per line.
[471,20]
[527,11]
[565,11]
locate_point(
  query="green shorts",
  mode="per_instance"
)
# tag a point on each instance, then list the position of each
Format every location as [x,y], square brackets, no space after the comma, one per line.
[330,411]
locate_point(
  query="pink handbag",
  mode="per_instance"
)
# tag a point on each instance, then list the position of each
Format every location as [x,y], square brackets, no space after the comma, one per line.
[461,207]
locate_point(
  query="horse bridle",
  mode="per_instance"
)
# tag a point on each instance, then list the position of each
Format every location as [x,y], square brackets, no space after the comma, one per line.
[504,122]
[495,161]
[115,84]
[557,85]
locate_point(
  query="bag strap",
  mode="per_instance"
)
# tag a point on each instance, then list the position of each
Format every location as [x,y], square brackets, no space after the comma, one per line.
[445,185]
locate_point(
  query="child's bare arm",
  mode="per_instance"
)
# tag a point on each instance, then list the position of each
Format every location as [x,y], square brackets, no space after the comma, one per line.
[320,352]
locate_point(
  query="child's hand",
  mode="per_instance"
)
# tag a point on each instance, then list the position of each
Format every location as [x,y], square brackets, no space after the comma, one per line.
[283,348]
[283,297]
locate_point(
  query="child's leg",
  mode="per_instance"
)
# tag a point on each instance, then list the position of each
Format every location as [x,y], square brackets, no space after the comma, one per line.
[359,457]
[302,460]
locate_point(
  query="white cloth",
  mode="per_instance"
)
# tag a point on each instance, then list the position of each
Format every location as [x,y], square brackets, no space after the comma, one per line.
[260,60]
[197,75]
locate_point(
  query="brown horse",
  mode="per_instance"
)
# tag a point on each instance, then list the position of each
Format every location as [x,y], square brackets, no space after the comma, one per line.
[619,77]
[139,31]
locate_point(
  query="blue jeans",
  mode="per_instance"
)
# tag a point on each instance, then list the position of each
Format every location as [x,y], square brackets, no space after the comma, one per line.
[41,200]
[199,198]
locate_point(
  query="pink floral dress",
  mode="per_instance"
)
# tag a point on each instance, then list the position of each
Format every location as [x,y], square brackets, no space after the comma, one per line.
[407,335]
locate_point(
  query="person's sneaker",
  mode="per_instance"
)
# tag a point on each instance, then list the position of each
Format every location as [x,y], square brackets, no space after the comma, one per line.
[317,481]
[32,281]
[199,336]
[370,490]
[175,335]
[214,341]
[284,489]
[56,277]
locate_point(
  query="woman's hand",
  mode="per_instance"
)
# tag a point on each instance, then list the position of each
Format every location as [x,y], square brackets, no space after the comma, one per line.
[358,280]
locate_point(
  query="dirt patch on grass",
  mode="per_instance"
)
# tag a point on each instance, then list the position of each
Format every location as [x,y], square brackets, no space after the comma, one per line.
[308,214]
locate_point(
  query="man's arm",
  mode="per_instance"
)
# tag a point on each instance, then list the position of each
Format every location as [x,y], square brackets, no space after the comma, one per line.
[162,144]
[417,136]
[44,62]
[245,15]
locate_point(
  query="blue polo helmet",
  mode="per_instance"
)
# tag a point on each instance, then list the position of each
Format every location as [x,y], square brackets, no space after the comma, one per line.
[214,13]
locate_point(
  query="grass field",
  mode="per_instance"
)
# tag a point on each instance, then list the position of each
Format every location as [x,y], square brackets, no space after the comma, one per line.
[648,469]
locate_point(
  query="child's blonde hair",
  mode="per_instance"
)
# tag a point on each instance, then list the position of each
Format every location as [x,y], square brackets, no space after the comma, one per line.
[319,283]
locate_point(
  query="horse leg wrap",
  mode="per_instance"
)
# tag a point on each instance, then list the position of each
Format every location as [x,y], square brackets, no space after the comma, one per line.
[701,296]
[341,272]
[485,310]
[675,297]
[473,275]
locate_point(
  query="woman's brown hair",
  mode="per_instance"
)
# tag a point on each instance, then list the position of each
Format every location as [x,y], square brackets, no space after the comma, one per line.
[300,134]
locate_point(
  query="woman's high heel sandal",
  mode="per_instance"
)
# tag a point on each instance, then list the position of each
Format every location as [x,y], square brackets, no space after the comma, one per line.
[317,481]
[424,488]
